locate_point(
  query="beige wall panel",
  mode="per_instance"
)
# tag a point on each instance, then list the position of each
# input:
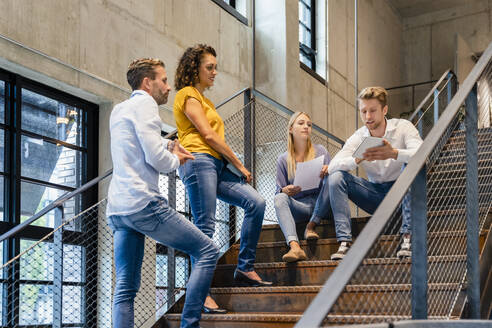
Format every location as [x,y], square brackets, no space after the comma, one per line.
[474,29]
[337,31]
[35,24]
[417,55]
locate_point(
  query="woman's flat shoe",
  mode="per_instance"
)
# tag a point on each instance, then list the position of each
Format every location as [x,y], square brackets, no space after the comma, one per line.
[243,280]
[213,311]
[294,255]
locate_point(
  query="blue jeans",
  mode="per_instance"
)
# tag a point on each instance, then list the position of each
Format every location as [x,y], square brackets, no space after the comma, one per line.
[158,221]
[206,178]
[367,195]
[312,207]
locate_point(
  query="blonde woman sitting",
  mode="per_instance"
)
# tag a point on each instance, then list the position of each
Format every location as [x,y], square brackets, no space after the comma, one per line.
[291,204]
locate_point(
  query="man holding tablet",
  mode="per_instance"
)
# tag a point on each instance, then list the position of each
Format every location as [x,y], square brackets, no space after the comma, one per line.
[382,147]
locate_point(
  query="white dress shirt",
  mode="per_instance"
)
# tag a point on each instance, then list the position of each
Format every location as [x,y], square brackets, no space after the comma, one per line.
[139,153]
[400,133]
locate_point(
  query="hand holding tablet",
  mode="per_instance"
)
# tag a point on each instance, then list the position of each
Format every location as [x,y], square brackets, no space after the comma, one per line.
[368,142]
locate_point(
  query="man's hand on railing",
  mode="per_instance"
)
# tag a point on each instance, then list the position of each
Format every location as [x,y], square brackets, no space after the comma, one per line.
[183,154]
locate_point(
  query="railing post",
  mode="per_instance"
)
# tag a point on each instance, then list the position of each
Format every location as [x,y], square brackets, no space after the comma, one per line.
[472,205]
[449,87]
[418,205]
[232,224]
[249,134]
[420,126]
[171,256]
[436,106]
[58,268]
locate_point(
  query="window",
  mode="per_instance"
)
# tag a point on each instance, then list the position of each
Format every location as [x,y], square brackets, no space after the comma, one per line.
[307,33]
[236,8]
[48,146]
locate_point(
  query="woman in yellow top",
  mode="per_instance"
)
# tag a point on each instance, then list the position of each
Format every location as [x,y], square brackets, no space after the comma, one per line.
[201,132]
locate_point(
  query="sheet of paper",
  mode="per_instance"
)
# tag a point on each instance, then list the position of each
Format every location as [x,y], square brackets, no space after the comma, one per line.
[307,173]
[368,142]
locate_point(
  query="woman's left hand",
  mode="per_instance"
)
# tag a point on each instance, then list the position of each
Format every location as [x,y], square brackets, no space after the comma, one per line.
[324,171]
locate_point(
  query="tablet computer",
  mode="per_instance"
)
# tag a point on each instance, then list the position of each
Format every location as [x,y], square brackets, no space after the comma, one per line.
[368,142]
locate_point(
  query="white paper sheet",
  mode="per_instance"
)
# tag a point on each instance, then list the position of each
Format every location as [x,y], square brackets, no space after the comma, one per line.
[307,173]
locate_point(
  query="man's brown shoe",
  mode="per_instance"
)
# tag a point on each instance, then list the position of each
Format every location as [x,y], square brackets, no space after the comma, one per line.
[294,255]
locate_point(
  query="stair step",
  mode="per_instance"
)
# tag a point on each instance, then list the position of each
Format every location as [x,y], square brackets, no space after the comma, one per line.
[272,232]
[335,320]
[240,320]
[387,246]
[444,172]
[309,273]
[461,165]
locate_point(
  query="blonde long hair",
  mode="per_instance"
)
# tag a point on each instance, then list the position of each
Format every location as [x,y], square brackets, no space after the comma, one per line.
[291,155]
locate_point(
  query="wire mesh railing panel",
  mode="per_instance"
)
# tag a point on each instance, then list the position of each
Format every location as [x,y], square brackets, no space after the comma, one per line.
[58,279]
[380,289]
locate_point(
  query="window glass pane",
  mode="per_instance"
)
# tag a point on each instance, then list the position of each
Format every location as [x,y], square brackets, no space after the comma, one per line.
[161,271]
[37,263]
[305,36]
[48,162]
[72,304]
[304,14]
[180,196]
[72,263]
[2,150]
[305,60]
[163,185]
[181,271]
[36,304]
[51,118]
[35,197]
[2,183]
[2,102]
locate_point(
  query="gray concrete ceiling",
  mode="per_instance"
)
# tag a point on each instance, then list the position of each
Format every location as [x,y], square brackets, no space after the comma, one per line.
[410,8]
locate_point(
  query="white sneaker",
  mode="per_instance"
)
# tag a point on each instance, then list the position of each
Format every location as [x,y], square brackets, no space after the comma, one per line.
[405,248]
[342,250]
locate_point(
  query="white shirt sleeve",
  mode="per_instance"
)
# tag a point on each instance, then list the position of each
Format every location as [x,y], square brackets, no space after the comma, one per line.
[343,160]
[148,131]
[412,143]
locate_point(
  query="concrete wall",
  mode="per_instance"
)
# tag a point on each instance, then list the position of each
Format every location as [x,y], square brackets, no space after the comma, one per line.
[429,39]
[92,42]
[331,104]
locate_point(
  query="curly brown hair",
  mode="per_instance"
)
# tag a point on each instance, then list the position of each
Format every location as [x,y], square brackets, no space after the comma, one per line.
[140,69]
[189,64]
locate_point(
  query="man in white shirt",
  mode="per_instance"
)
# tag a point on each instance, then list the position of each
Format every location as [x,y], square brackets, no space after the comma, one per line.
[382,165]
[135,206]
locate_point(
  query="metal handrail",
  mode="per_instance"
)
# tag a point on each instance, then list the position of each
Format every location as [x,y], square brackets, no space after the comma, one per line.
[334,286]
[290,112]
[431,93]
[58,202]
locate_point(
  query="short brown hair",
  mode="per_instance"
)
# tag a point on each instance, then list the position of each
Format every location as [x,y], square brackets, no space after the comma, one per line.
[140,69]
[378,93]
[189,64]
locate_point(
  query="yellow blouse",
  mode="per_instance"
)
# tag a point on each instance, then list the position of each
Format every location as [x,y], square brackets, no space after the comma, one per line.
[188,135]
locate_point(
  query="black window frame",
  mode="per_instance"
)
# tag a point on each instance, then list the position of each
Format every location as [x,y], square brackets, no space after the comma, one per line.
[304,49]
[10,283]
[231,9]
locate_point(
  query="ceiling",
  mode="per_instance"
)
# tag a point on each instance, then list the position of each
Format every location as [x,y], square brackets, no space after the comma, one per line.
[410,8]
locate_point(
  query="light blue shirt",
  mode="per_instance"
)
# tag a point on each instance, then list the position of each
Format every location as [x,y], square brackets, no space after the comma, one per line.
[139,153]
